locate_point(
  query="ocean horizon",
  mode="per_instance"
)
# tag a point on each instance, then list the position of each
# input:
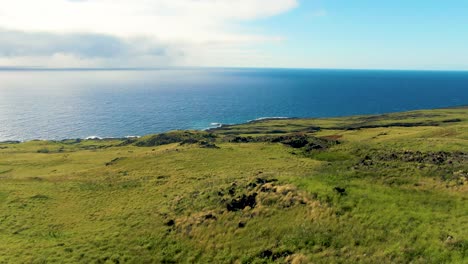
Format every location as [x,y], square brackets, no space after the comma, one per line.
[38,103]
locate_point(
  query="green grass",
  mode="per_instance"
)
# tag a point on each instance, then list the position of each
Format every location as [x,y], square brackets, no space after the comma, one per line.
[154,200]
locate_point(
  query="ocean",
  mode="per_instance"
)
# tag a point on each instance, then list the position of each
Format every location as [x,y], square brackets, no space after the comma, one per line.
[60,104]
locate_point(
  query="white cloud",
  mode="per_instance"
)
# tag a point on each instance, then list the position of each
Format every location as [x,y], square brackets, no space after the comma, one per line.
[83,50]
[181,20]
[130,32]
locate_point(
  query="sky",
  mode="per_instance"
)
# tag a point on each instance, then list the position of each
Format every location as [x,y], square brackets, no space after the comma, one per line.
[357,34]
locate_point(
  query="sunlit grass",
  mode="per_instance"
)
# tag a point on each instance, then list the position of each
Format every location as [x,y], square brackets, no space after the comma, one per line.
[108,202]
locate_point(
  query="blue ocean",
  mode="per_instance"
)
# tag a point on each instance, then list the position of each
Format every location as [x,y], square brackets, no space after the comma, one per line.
[59,104]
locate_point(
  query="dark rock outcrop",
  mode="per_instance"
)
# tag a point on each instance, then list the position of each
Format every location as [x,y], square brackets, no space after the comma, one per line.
[242,202]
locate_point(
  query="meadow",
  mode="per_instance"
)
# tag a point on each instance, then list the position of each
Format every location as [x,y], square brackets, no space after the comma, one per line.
[387,188]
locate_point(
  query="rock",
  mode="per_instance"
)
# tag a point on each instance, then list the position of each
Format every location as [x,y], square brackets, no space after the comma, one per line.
[252,185]
[210,216]
[242,202]
[262,181]
[170,223]
[266,254]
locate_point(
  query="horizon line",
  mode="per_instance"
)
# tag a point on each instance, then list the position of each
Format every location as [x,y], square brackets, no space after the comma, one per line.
[41,68]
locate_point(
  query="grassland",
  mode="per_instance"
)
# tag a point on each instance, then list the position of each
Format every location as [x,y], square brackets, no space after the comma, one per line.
[366,189]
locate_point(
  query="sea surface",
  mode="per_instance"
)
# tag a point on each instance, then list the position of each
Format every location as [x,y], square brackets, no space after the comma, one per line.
[59,104]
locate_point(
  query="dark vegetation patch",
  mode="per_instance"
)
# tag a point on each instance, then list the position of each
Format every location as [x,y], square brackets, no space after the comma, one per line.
[206,144]
[47,150]
[274,255]
[95,147]
[40,197]
[395,124]
[10,142]
[200,143]
[185,137]
[445,165]
[340,191]
[35,178]
[71,141]
[353,123]
[296,140]
[43,150]
[112,162]
[398,116]
[436,158]
[455,120]
[309,129]
[207,140]
[6,171]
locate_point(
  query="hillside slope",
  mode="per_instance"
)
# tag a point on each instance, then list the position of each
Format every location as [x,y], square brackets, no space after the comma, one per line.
[366,189]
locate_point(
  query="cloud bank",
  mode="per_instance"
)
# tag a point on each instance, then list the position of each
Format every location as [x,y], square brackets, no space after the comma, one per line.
[71,33]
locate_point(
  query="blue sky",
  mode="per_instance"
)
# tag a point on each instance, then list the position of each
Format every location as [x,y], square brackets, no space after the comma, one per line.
[373,34]
[243,33]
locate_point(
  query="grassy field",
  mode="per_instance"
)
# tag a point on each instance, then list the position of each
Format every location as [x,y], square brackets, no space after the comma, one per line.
[366,189]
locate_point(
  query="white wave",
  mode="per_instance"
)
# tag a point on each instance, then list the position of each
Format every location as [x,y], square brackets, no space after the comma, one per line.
[93,138]
[213,125]
[270,117]
[216,124]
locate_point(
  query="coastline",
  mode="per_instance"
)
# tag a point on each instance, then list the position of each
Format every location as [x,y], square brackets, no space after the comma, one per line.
[220,126]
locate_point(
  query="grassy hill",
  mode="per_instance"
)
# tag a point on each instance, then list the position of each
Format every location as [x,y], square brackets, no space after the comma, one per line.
[365,189]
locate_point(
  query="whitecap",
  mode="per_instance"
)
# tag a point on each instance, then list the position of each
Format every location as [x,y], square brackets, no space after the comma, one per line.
[132,137]
[270,118]
[93,138]
[216,124]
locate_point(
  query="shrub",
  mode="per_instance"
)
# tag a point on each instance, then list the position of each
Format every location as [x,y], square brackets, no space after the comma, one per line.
[43,150]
